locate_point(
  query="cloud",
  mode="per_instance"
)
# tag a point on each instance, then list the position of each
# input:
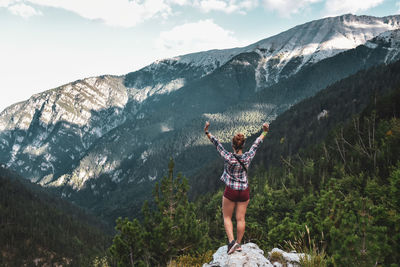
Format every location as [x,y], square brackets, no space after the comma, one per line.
[18,8]
[286,8]
[122,13]
[23,10]
[227,6]
[5,3]
[179,2]
[338,7]
[195,37]
[129,13]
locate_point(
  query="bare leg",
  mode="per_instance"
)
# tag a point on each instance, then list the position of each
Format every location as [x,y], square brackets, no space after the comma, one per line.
[240,219]
[227,210]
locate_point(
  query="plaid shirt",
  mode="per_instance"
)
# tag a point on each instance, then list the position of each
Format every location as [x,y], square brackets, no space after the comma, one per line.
[234,175]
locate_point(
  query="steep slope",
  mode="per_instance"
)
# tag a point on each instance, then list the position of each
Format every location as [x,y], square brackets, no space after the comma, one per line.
[48,134]
[38,229]
[110,137]
[309,121]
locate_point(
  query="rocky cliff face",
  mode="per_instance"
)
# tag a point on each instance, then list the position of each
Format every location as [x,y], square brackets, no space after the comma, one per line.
[49,133]
[104,134]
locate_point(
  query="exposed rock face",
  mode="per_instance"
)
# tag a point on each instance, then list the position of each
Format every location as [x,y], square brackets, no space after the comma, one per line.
[252,255]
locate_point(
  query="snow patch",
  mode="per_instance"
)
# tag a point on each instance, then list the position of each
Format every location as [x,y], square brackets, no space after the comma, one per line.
[241,62]
[172,86]
[96,131]
[323,114]
[116,176]
[144,156]
[371,45]
[14,152]
[165,128]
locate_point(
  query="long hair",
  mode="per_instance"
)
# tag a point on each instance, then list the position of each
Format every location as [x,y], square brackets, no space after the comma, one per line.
[238,141]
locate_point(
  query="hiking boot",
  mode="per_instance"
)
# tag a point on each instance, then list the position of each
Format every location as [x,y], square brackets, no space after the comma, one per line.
[238,247]
[232,246]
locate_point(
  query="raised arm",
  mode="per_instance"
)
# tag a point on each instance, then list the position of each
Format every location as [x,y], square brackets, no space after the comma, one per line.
[265,130]
[257,142]
[206,130]
[221,150]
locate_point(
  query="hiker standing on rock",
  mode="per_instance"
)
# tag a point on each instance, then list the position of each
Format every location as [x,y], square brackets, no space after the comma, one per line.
[236,192]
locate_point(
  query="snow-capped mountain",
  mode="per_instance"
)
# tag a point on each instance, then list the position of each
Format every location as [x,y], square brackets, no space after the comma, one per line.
[390,40]
[284,54]
[105,135]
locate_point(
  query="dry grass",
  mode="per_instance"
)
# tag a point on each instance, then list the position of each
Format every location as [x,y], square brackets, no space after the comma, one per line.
[315,255]
[192,260]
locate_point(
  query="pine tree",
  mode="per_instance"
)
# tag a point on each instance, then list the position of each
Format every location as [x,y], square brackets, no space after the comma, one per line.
[169,230]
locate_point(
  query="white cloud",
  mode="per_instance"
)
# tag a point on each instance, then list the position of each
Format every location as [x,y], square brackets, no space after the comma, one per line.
[195,37]
[129,13]
[227,6]
[337,7]
[179,2]
[5,3]
[23,10]
[116,13]
[286,8]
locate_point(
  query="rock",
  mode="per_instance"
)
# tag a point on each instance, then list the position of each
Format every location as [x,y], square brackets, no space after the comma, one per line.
[292,259]
[251,255]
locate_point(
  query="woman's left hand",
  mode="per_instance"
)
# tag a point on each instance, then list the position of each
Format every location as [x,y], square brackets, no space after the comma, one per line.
[266,127]
[206,126]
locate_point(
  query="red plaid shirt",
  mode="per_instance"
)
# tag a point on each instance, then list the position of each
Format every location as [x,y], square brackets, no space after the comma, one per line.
[234,175]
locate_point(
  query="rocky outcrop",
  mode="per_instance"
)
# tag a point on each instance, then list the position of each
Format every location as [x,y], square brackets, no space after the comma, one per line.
[252,255]
[281,258]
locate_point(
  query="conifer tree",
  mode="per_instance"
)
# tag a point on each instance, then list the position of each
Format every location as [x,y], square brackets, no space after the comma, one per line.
[169,230]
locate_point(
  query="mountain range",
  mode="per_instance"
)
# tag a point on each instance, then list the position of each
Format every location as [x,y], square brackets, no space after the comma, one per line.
[102,142]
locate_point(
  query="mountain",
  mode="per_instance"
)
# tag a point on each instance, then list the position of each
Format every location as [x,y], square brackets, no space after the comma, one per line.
[102,141]
[38,229]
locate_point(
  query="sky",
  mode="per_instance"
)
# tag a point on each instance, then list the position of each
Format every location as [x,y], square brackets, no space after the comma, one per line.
[47,43]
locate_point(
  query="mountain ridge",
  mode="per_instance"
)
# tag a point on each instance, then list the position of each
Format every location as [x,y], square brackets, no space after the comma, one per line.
[120,129]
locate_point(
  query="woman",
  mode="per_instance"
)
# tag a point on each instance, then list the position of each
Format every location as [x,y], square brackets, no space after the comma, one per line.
[236,194]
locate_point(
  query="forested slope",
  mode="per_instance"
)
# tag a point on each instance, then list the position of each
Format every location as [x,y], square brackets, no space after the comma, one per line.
[310,121]
[37,228]
[332,190]
[342,185]
[336,200]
